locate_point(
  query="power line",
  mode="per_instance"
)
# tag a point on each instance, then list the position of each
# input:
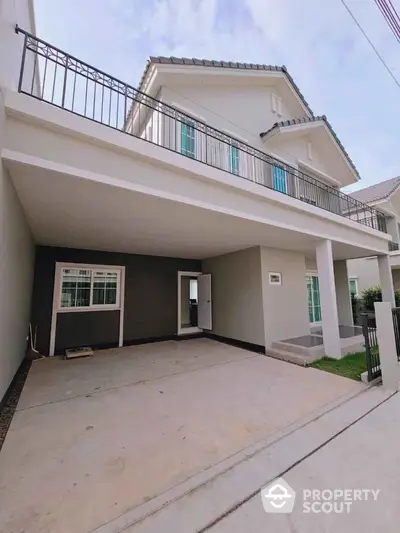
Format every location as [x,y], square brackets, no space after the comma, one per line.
[390,15]
[394,10]
[371,44]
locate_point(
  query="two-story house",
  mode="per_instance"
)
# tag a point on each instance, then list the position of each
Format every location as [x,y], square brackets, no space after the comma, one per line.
[206,200]
[364,273]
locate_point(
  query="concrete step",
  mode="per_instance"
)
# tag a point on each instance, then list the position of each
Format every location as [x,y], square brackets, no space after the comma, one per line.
[294,348]
[291,357]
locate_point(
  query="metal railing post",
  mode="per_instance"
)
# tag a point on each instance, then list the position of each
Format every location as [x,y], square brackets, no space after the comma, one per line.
[21,73]
[65,81]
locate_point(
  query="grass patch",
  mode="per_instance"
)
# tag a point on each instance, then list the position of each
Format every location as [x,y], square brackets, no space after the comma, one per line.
[351,366]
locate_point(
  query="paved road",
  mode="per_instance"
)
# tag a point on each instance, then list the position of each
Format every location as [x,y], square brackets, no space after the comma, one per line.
[365,456]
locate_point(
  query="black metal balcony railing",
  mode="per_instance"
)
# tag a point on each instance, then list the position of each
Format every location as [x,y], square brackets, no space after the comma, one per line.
[393,246]
[51,75]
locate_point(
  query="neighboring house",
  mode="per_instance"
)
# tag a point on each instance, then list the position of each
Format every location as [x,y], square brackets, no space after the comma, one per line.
[207,200]
[385,196]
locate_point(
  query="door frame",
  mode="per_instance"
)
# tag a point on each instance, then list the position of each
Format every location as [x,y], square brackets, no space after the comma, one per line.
[311,273]
[193,329]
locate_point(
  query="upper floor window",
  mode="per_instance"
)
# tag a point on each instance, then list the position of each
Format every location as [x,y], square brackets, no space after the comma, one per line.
[234,157]
[88,288]
[279,179]
[188,138]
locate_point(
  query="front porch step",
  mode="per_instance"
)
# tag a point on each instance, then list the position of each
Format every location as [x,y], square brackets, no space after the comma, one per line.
[292,357]
[295,348]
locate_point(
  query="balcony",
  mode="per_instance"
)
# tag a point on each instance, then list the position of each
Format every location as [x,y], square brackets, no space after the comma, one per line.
[393,246]
[57,78]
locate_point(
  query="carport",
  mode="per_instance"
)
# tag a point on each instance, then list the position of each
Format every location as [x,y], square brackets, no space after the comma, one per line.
[93,438]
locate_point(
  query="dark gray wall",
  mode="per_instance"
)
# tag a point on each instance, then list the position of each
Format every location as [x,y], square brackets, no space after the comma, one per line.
[90,328]
[151,294]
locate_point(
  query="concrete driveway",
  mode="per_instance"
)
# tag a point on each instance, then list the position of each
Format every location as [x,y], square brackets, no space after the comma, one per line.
[95,438]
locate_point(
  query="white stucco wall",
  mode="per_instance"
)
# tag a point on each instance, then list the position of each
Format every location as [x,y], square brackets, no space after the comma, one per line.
[293,149]
[16,274]
[14,12]
[246,111]
[16,244]
[237,304]
[285,306]
[242,111]
[366,272]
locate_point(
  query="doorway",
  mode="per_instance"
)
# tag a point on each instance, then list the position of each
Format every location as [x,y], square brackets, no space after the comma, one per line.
[194,302]
[314,303]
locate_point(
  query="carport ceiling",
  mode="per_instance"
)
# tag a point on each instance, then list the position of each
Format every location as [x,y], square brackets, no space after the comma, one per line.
[77,213]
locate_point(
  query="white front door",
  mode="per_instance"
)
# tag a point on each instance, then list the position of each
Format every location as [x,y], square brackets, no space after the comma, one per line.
[204,320]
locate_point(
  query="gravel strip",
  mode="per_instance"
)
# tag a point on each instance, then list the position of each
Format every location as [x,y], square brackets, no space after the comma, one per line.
[10,401]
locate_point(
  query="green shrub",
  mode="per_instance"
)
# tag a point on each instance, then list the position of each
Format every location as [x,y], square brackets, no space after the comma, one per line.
[374,294]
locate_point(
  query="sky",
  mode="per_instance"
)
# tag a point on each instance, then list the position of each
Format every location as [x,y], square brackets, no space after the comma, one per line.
[324,51]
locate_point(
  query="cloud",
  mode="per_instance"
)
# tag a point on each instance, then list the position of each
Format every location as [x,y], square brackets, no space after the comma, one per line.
[323,49]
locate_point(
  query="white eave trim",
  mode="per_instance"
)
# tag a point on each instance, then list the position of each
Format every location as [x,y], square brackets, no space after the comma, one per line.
[149,80]
[290,129]
[387,198]
[320,174]
[172,68]
[339,149]
[306,126]
[379,203]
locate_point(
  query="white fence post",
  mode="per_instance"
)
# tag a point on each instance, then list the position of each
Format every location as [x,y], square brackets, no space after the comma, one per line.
[387,345]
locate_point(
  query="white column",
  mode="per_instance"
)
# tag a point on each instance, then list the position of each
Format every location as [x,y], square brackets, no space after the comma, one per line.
[386,279]
[393,228]
[343,298]
[327,291]
[387,345]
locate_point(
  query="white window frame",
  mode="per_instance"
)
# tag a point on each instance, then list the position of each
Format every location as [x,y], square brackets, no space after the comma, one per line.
[314,273]
[91,306]
[56,309]
[235,172]
[200,137]
[355,279]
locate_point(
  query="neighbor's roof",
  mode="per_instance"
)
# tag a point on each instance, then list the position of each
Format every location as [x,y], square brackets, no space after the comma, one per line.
[305,120]
[377,192]
[222,64]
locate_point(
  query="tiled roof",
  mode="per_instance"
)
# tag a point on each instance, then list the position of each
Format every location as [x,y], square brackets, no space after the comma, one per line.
[222,64]
[377,192]
[305,120]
